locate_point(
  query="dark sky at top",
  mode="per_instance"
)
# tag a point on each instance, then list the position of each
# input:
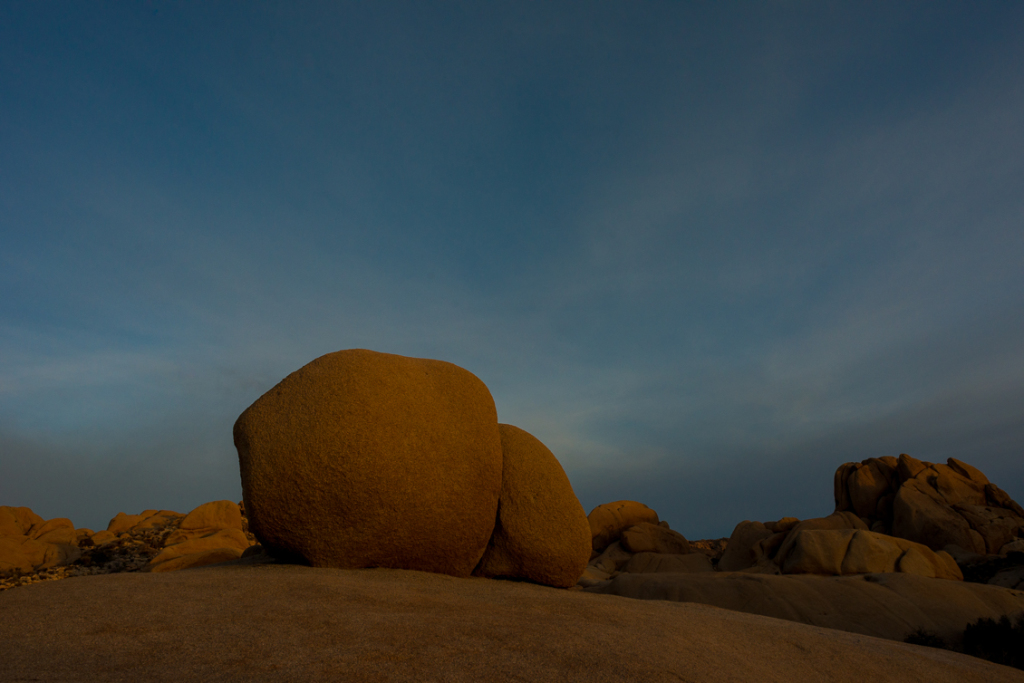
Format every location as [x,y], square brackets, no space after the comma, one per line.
[706,252]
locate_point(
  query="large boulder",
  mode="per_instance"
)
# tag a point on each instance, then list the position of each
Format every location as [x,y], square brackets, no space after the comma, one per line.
[541,533]
[608,521]
[365,459]
[932,504]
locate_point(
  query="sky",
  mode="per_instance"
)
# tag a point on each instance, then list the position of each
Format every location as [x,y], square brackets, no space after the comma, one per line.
[706,252]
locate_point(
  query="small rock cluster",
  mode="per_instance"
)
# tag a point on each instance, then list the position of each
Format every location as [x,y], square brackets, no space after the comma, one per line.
[152,541]
[627,536]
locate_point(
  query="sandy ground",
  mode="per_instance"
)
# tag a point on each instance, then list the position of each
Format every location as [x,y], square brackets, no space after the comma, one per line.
[290,623]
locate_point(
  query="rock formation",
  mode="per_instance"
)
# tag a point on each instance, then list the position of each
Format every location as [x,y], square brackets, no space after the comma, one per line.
[608,521]
[365,459]
[631,539]
[541,533]
[211,533]
[855,551]
[28,543]
[837,545]
[932,504]
[154,540]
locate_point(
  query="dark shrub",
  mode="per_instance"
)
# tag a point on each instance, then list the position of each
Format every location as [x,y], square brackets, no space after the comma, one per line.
[1000,641]
[926,638]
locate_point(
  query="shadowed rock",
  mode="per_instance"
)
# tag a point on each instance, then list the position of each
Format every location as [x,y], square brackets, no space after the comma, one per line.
[608,521]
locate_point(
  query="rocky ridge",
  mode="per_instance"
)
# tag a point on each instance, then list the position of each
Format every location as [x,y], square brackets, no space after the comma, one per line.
[153,540]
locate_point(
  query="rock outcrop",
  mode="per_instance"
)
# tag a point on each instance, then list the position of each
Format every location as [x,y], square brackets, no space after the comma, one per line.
[365,459]
[641,544]
[842,552]
[153,540]
[211,533]
[744,548]
[654,538]
[837,545]
[541,533]
[29,543]
[933,504]
[608,521]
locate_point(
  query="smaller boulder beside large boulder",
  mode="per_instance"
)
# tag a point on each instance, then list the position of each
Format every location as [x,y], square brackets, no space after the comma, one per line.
[541,533]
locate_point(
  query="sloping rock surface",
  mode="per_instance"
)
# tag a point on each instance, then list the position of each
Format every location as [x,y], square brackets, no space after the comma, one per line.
[882,605]
[288,623]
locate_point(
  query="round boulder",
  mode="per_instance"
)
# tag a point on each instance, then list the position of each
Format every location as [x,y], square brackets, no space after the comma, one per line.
[542,533]
[365,459]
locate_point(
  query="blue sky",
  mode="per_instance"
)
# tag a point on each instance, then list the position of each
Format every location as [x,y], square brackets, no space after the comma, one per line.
[706,252]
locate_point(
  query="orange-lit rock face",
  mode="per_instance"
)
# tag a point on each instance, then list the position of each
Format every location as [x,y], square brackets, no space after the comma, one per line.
[365,459]
[541,533]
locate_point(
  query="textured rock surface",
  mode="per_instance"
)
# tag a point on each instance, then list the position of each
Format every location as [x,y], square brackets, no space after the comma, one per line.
[608,521]
[654,538]
[837,552]
[197,559]
[362,459]
[29,544]
[222,539]
[646,563]
[612,558]
[882,605]
[207,519]
[740,551]
[541,533]
[139,540]
[933,504]
[279,623]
